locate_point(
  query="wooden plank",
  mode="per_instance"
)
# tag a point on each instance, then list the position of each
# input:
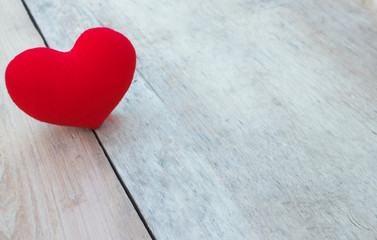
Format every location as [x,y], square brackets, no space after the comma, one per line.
[55,182]
[372,4]
[246,119]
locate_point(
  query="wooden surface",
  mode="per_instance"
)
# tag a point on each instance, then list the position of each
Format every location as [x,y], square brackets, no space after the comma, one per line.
[55,182]
[245,120]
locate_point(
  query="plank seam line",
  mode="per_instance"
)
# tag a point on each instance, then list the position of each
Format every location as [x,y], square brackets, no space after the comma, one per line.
[34,23]
[128,193]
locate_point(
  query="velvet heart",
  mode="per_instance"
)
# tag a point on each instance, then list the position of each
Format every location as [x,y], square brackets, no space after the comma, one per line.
[78,88]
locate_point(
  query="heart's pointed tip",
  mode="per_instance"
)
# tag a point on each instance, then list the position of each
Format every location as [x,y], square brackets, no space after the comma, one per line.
[94,126]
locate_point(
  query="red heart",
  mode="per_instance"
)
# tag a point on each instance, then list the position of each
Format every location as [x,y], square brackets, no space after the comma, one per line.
[78,88]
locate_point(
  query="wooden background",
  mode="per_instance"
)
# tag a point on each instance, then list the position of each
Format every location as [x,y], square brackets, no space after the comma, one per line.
[245,120]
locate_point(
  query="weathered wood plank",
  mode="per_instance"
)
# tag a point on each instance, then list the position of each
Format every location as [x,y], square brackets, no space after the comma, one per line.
[55,182]
[247,119]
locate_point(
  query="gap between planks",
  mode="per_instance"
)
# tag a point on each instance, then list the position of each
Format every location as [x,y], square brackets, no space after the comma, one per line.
[129,195]
[126,190]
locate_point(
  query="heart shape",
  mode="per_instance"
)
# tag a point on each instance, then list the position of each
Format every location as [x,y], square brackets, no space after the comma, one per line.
[78,88]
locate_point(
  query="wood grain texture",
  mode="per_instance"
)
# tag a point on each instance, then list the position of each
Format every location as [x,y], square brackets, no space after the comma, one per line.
[372,4]
[246,119]
[55,182]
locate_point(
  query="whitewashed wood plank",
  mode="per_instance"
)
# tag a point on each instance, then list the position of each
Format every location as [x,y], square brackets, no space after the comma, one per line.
[371,4]
[247,119]
[55,182]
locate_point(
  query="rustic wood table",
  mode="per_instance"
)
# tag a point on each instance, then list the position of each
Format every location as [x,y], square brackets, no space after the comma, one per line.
[246,119]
